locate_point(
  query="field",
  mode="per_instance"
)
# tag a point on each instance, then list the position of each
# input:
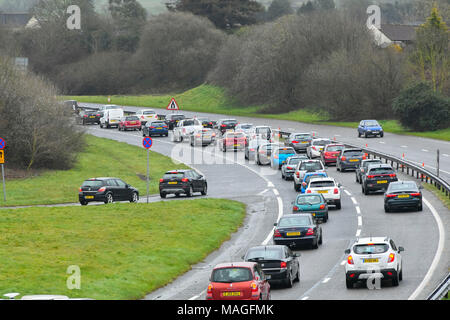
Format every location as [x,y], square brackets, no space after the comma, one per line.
[123,251]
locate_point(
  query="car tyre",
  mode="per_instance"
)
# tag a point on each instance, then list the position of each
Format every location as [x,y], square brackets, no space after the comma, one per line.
[349,284]
[386,209]
[134,197]
[296,187]
[395,280]
[205,190]
[289,282]
[162,195]
[109,198]
[420,207]
[190,192]
[338,205]
[83,203]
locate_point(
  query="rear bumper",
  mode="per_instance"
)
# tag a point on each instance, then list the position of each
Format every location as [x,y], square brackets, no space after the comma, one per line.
[350,165]
[174,189]
[276,275]
[359,275]
[410,203]
[292,241]
[86,197]
[329,160]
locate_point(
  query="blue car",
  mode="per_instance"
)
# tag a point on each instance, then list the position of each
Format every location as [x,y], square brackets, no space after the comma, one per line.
[152,128]
[370,128]
[308,176]
[279,156]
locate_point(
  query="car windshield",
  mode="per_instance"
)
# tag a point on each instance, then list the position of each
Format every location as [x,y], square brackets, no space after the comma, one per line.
[381,171]
[232,274]
[173,176]
[246,126]
[335,148]
[177,117]
[264,254]
[294,222]
[309,176]
[286,151]
[372,123]
[309,199]
[353,153]
[262,130]
[188,123]
[321,142]
[403,186]
[322,184]
[92,183]
[310,166]
[371,248]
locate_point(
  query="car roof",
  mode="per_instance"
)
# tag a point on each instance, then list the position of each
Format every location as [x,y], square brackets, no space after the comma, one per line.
[291,215]
[371,160]
[242,264]
[295,133]
[372,240]
[353,149]
[100,178]
[335,144]
[178,171]
[380,165]
[322,178]
[271,246]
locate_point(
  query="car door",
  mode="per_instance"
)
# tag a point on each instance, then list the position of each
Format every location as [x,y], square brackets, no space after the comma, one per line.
[197,181]
[123,192]
[261,281]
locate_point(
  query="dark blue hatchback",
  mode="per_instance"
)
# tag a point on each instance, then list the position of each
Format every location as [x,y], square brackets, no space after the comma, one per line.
[370,128]
[155,128]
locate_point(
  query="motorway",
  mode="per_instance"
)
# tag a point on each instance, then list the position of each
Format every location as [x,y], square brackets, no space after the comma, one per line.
[267,196]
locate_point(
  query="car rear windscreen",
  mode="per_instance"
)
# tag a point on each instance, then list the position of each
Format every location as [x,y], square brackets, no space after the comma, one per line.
[229,122]
[232,274]
[371,248]
[177,117]
[262,130]
[246,126]
[235,135]
[158,124]
[294,222]
[311,199]
[310,166]
[265,254]
[92,183]
[380,171]
[369,163]
[131,118]
[149,112]
[335,148]
[286,151]
[294,161]
[353,153]
[321,142]
[405,186]
[321,184]
[302,137]
[173,176]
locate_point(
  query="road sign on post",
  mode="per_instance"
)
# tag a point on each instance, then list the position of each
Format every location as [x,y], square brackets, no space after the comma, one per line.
[147,142]
[173,106]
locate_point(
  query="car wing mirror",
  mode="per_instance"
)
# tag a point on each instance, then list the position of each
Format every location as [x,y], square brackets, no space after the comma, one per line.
[400,249]
[275,224]
[347,251]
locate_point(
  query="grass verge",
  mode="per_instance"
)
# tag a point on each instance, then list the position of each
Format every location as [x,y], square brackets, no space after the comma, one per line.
[124,251]
[438,193]
[212,99]
[101,158]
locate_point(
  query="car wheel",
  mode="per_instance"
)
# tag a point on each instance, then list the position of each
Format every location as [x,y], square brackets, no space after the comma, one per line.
[386,209]
[337,167]
[289,281]
[395,280]
[296,187]
[205,190]
[356,178]
[338,205]
[400,276]
[297,277]
[109,198]
[365,135]
[190,192]
[162,195]
[134,197]
[349,284]
[420,207]
[282,175]
[366,191]
[359,134]
[83,203]
[321,239]
[315,244]
[381,134]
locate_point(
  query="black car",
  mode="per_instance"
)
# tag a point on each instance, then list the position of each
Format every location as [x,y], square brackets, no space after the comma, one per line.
[226,124]
[278,263]
[206,123]
[172,119]
[377,177]
[182,181]
[403,194]
[106,190]
[89,117]
[297,229]
[363,167]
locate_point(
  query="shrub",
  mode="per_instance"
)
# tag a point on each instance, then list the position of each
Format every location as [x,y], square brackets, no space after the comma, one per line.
[419,108]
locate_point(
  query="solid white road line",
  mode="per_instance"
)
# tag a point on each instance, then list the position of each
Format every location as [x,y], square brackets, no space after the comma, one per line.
[438,254]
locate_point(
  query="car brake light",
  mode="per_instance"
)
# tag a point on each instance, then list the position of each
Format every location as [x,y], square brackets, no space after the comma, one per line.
[314,147]
[391,258]
[295,141]
[343,158]
[85,116]
[161,180]
[254,287]
[415,194]
[102,189]
[392,175]
[277,233]
[391,195]
[322,206]
[185,180]
[295,208]
[336,190]
[223,125]
[209,290]
[289,168]
[304,184]
[370,176]
[350,260]
[283,265]
[297,174]
[310,232]
[80,190]
[308,191]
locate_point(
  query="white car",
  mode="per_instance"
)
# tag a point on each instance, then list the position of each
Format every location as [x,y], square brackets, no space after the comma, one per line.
[316,147]
[146,115]
[328,187]
[246,128]
[185,128]
[264,132]
[372,259]
[306,166]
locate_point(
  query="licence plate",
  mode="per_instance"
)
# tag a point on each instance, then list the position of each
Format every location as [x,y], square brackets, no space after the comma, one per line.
[322,191]
[173,182]
[403,196]
[231,294]
[304,141]
[113,120]
[292,234]
[92,117]
[381,181]
[159,128]
[89,197]
[354,160]
[370,260]
[237,145]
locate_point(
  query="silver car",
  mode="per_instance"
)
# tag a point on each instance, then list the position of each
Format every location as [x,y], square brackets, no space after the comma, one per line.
[306,166]
[316,147]
[202,137]
[299,141]
[263,153]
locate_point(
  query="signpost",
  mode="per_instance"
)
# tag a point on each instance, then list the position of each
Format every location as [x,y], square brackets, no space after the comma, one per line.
[173,106]
[2,162]
[147,142]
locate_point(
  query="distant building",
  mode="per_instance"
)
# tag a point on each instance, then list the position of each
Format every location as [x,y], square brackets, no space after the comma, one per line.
[14,20]
[390,34]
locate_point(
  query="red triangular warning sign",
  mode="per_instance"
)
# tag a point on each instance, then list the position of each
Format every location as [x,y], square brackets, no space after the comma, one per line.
[173,105]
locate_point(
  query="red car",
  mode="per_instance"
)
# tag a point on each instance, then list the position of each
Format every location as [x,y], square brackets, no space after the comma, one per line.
[129,122]
[233,140]
[330,153]
[238,281]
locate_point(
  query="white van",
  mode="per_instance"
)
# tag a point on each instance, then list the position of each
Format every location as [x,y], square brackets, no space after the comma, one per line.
[111,118]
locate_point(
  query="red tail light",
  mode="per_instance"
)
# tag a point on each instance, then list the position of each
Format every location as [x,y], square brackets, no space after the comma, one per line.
[223,126]
[392,175]
[370,176]
[277,233]
[343,158]
[209,290]
[161,180]
[350,260]
[322,206]
[294,141]
[297,174]
[310,232]
[80,190]
[289,168]
[254,287]
[391,195]
[185,180]
[415,194]
[85,116]
[283,265]
[102,189]
[308,191]
[336,190]
[295,208]
[391,258]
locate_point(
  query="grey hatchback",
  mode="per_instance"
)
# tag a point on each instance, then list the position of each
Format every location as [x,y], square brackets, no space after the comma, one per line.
[349,159]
